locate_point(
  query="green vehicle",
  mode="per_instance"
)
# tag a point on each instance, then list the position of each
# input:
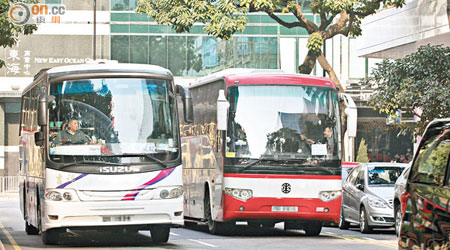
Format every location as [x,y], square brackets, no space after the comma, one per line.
[426,201]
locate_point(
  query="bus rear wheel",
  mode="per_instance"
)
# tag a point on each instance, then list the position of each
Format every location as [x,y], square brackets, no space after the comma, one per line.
[160,234]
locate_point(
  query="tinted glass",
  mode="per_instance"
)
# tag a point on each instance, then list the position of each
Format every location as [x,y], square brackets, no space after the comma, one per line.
[383,175]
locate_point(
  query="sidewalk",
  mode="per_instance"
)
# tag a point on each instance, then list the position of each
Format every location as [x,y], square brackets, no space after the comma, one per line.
[9,196]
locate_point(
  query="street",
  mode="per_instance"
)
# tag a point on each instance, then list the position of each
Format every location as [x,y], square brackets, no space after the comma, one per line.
[13,236]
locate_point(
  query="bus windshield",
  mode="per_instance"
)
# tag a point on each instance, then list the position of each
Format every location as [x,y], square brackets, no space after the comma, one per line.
[112,117]
[283,122]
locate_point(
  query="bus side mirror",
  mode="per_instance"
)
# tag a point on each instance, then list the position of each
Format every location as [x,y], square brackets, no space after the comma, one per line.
[222,111]
[352,114]
[42,108]
[186,98]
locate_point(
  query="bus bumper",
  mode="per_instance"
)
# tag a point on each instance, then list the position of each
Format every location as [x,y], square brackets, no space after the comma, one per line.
[269,208]
[113,213]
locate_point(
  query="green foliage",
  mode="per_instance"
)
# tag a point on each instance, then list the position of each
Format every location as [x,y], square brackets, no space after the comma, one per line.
[362,152]
[420,80]
[9,32]
[315,42]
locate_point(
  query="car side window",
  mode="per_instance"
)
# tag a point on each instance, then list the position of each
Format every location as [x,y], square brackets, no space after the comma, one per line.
[352,176]
[360,178]
[431,163]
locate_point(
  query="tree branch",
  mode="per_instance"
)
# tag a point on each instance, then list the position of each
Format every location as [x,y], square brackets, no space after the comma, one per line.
[337,27]
[311,27]
[283,23]
[325,22]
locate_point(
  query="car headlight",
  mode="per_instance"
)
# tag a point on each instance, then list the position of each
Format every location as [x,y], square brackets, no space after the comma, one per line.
[377,203]
[60,195]
[329,195]
[241,194]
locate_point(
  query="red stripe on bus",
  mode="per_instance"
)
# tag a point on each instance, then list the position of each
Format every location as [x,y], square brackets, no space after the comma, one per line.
[283,176]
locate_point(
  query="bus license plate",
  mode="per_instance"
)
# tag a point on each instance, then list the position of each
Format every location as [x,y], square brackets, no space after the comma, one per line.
[116,218]
[284,209]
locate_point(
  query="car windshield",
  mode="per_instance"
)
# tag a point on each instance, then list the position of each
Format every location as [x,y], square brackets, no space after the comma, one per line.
[112,117]
[295,122]
[383,175]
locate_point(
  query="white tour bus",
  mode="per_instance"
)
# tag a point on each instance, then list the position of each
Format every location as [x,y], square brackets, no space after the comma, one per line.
[100,149]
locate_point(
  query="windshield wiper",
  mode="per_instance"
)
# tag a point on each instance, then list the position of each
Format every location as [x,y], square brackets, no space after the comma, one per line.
[91,162]
[256,161]
[148,156]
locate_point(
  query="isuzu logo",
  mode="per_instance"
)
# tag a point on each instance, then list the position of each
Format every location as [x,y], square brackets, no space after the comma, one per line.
[116,169]
[286,188]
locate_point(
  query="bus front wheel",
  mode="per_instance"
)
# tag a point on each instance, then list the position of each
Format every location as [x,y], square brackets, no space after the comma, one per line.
[313,228]
[50,236]
[160,233]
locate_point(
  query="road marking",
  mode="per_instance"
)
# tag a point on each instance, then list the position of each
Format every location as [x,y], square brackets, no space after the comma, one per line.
[375,242]
[10,238]
[367,238]
[174,234]
[203,243]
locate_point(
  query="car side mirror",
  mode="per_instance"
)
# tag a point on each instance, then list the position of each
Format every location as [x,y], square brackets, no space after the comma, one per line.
[360,187]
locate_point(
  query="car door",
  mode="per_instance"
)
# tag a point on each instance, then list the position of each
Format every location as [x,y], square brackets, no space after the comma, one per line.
[428,202]
[441,209]
[349,194]
[359,193]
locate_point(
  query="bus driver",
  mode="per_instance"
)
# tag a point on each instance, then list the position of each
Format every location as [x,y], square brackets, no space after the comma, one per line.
[72,135]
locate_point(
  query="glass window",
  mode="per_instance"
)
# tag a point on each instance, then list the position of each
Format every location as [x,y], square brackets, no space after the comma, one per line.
[283,121]
[381,175]
[139,49]
[158,51]
[120,47]
[360,178]
[352,176]
[92,117]
[120,4]
[194,55]
[177,54]
[432,160]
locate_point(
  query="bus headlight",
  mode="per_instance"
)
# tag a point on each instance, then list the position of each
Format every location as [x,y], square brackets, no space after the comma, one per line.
[330,195]
[53,195]
[174,192]
[241,194]
[60,195]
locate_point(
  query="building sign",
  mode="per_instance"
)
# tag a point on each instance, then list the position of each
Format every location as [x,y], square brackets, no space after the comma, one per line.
[35,52]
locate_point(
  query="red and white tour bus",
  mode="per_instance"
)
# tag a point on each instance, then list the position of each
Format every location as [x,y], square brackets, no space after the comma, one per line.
[264,147]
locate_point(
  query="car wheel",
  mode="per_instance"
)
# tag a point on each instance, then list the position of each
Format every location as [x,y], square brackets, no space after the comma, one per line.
[398,219]
[363,224]
[342,223]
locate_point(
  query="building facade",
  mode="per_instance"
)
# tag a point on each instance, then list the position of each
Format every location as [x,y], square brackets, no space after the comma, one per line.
[128,37]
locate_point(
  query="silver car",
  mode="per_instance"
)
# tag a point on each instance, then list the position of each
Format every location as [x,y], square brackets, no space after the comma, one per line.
[399,189]
[368,194]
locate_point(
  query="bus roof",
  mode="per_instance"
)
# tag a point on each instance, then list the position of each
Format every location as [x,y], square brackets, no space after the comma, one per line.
[101,68]
[114,67]
[239,76]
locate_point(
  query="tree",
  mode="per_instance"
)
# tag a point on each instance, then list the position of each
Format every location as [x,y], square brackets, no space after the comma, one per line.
[362,152]
[223,18]
[10,32]
[418,83]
